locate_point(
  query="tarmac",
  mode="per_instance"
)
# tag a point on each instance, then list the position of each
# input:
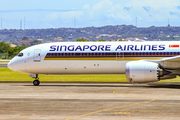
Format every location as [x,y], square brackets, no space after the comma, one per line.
[3,65]
[89,101]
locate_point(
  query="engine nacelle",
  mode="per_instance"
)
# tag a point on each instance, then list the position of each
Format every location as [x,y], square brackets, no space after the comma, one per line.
[143,71]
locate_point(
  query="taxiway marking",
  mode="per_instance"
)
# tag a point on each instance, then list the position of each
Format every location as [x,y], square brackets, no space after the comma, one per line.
[116,92]
[113,108]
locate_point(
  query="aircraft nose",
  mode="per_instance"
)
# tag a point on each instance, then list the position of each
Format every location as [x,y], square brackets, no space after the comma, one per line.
[10,65]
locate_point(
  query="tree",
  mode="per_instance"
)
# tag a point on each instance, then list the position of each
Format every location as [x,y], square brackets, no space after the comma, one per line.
[25,38]
[102,40]
[4,47]
[14,51]
[35,42]
[82,40]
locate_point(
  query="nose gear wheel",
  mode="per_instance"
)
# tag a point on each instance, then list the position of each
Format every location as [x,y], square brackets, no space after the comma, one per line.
[36,82]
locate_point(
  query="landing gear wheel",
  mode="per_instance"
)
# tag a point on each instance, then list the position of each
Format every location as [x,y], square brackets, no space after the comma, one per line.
[36,82]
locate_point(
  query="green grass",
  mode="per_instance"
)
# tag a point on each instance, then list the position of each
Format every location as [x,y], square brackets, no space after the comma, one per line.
[9,75]
[4,61]
[177,79]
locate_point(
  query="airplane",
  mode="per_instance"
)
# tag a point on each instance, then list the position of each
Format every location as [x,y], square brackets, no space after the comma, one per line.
[141,61]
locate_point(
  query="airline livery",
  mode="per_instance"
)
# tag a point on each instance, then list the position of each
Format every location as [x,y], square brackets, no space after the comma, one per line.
[140,61]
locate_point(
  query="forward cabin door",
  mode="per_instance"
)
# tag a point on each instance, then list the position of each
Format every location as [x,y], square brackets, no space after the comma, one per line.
[37,55]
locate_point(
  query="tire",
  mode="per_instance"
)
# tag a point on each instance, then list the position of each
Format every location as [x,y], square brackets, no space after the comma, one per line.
[36,82]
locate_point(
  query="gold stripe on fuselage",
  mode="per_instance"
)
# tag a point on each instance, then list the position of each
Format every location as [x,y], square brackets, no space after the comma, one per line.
[106,58]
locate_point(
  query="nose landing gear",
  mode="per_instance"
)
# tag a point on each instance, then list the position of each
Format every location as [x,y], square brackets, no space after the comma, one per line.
[36,82]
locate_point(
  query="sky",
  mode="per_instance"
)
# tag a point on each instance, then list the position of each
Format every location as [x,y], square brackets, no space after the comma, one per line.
[42,14]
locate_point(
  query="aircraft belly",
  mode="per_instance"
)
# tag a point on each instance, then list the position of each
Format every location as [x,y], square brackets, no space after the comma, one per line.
[79,67]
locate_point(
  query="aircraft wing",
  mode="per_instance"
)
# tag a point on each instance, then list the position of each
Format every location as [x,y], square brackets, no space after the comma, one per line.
[170,59]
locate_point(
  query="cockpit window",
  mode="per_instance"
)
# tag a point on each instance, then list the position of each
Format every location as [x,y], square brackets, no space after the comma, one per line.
[20,54]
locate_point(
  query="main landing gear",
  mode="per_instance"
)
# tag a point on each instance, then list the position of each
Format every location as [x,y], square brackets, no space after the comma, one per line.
[36,82]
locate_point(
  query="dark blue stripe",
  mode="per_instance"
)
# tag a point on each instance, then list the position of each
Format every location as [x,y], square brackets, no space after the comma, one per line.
[114,54]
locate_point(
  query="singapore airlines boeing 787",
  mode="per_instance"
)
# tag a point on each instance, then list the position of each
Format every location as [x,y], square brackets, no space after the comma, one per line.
[140,61]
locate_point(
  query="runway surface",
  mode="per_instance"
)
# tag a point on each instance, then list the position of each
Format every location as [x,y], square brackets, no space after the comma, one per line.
[80,101]
[3,65]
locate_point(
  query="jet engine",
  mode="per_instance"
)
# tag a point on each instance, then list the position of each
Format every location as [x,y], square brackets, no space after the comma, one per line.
[143,71]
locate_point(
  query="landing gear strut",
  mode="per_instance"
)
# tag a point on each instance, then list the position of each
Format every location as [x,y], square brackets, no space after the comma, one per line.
[36,82]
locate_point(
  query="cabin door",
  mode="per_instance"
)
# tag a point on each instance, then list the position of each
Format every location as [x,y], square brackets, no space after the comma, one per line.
[37,55]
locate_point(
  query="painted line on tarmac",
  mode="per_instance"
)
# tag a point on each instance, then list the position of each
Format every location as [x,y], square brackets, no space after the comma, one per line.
[31,86]
[128,112]
[116,92]
[113,108]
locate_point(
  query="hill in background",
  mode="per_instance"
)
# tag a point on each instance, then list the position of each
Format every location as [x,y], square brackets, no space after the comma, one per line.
[91,33]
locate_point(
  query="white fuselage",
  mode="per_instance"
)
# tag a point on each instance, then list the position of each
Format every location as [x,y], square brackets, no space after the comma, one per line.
[89,57]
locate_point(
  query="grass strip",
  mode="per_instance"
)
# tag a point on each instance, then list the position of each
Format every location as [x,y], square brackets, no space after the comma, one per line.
[4,61]
[9,75]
